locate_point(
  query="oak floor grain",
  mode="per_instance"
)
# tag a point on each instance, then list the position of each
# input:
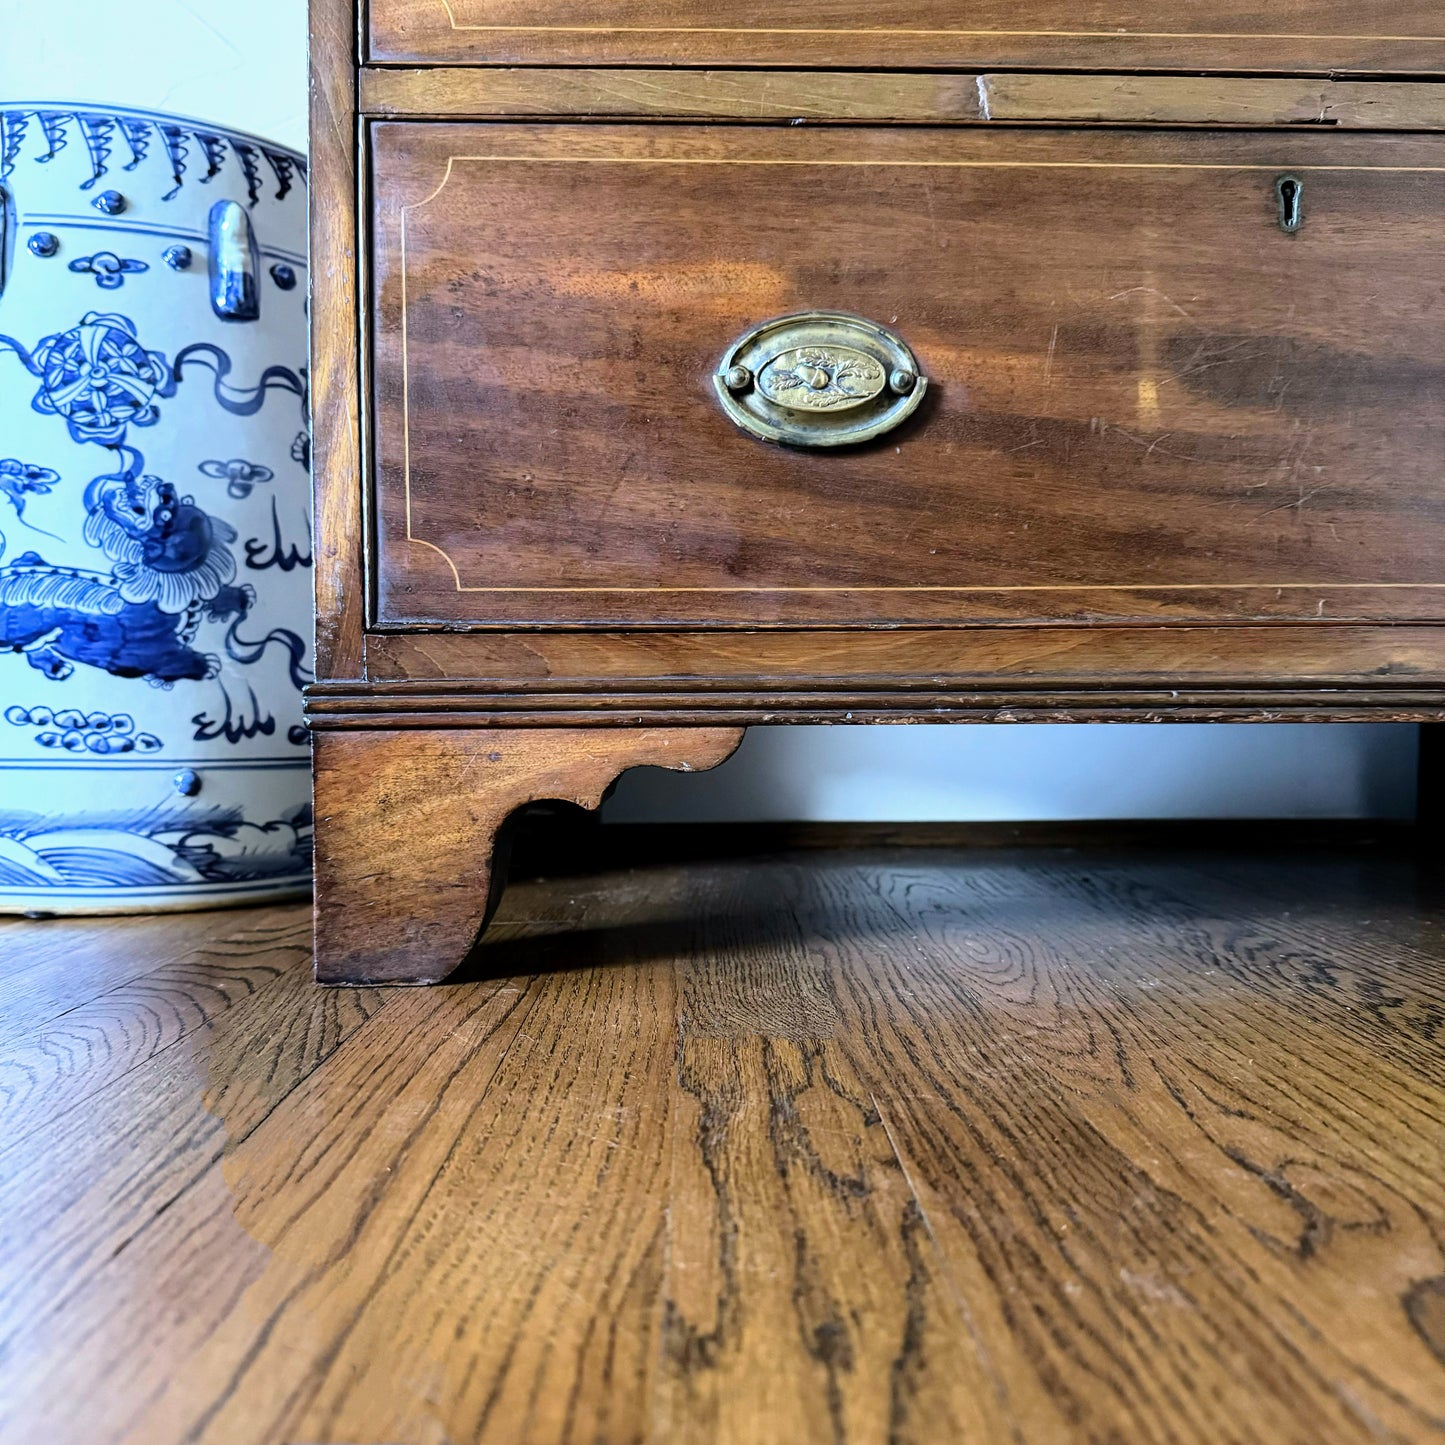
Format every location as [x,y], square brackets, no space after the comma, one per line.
[902,1145]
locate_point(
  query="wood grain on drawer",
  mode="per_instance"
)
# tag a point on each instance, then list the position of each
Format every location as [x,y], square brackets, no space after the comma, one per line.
[1147,401]
[1229,35]
[1005,98]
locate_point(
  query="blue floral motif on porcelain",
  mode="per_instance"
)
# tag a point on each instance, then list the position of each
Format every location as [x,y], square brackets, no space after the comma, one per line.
[109,269]
[21,480]
[155,541]
[97,376]
[239,475]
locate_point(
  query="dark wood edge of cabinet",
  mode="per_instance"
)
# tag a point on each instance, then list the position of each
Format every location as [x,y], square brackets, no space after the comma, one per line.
[337,470]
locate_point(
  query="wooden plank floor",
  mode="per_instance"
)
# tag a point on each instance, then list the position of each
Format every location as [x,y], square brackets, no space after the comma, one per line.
[909,1145]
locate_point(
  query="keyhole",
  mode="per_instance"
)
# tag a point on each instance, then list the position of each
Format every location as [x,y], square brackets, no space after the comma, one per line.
[1290,190]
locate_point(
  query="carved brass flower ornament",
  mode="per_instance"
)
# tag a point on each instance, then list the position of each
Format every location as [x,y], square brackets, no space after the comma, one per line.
[819,379]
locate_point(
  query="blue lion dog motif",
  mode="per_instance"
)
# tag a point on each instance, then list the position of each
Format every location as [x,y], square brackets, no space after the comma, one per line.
[172,568]
[171,565]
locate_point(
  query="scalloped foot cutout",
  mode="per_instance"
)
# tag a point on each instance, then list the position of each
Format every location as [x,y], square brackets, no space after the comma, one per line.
[407,823]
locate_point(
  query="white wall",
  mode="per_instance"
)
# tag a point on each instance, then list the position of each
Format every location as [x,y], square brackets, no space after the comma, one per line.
[243,63]
[1043,771]
[239,63]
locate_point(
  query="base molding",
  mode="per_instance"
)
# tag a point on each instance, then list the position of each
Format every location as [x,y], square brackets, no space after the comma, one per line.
[353,707]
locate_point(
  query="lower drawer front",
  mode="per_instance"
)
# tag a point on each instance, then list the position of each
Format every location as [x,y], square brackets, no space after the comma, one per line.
[1147,399]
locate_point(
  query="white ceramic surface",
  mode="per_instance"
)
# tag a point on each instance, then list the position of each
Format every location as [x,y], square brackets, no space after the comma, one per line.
[155,567]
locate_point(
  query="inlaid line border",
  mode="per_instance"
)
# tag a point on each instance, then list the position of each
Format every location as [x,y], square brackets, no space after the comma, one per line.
[902,30]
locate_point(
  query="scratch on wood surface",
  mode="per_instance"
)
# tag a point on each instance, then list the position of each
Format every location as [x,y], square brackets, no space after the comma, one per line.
[1297,503]
[1151,291]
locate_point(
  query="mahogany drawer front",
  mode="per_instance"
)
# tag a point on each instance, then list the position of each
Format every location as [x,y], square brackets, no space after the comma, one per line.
[1146,400]
[1397,36]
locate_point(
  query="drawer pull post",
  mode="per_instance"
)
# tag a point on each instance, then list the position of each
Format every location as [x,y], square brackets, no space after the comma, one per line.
[1290,192]
[818,379]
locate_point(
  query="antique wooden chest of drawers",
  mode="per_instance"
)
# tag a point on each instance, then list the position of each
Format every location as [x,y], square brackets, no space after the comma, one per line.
[728,365]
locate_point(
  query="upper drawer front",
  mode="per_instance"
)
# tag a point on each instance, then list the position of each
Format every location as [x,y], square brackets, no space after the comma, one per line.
[1146,399]
[1393,36]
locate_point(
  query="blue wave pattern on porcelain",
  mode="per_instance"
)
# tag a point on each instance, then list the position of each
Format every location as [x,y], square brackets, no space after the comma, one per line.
[155,542]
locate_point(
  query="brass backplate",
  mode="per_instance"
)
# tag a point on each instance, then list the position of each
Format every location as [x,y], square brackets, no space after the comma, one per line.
[819,379]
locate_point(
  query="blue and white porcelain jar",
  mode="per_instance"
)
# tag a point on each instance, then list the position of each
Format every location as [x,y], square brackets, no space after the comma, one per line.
[155,537]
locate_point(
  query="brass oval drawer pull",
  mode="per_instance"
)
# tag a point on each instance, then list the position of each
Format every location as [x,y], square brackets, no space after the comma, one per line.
[819,379]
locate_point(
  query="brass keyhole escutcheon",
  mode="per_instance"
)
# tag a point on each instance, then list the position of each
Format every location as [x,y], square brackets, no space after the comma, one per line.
[1289,191]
